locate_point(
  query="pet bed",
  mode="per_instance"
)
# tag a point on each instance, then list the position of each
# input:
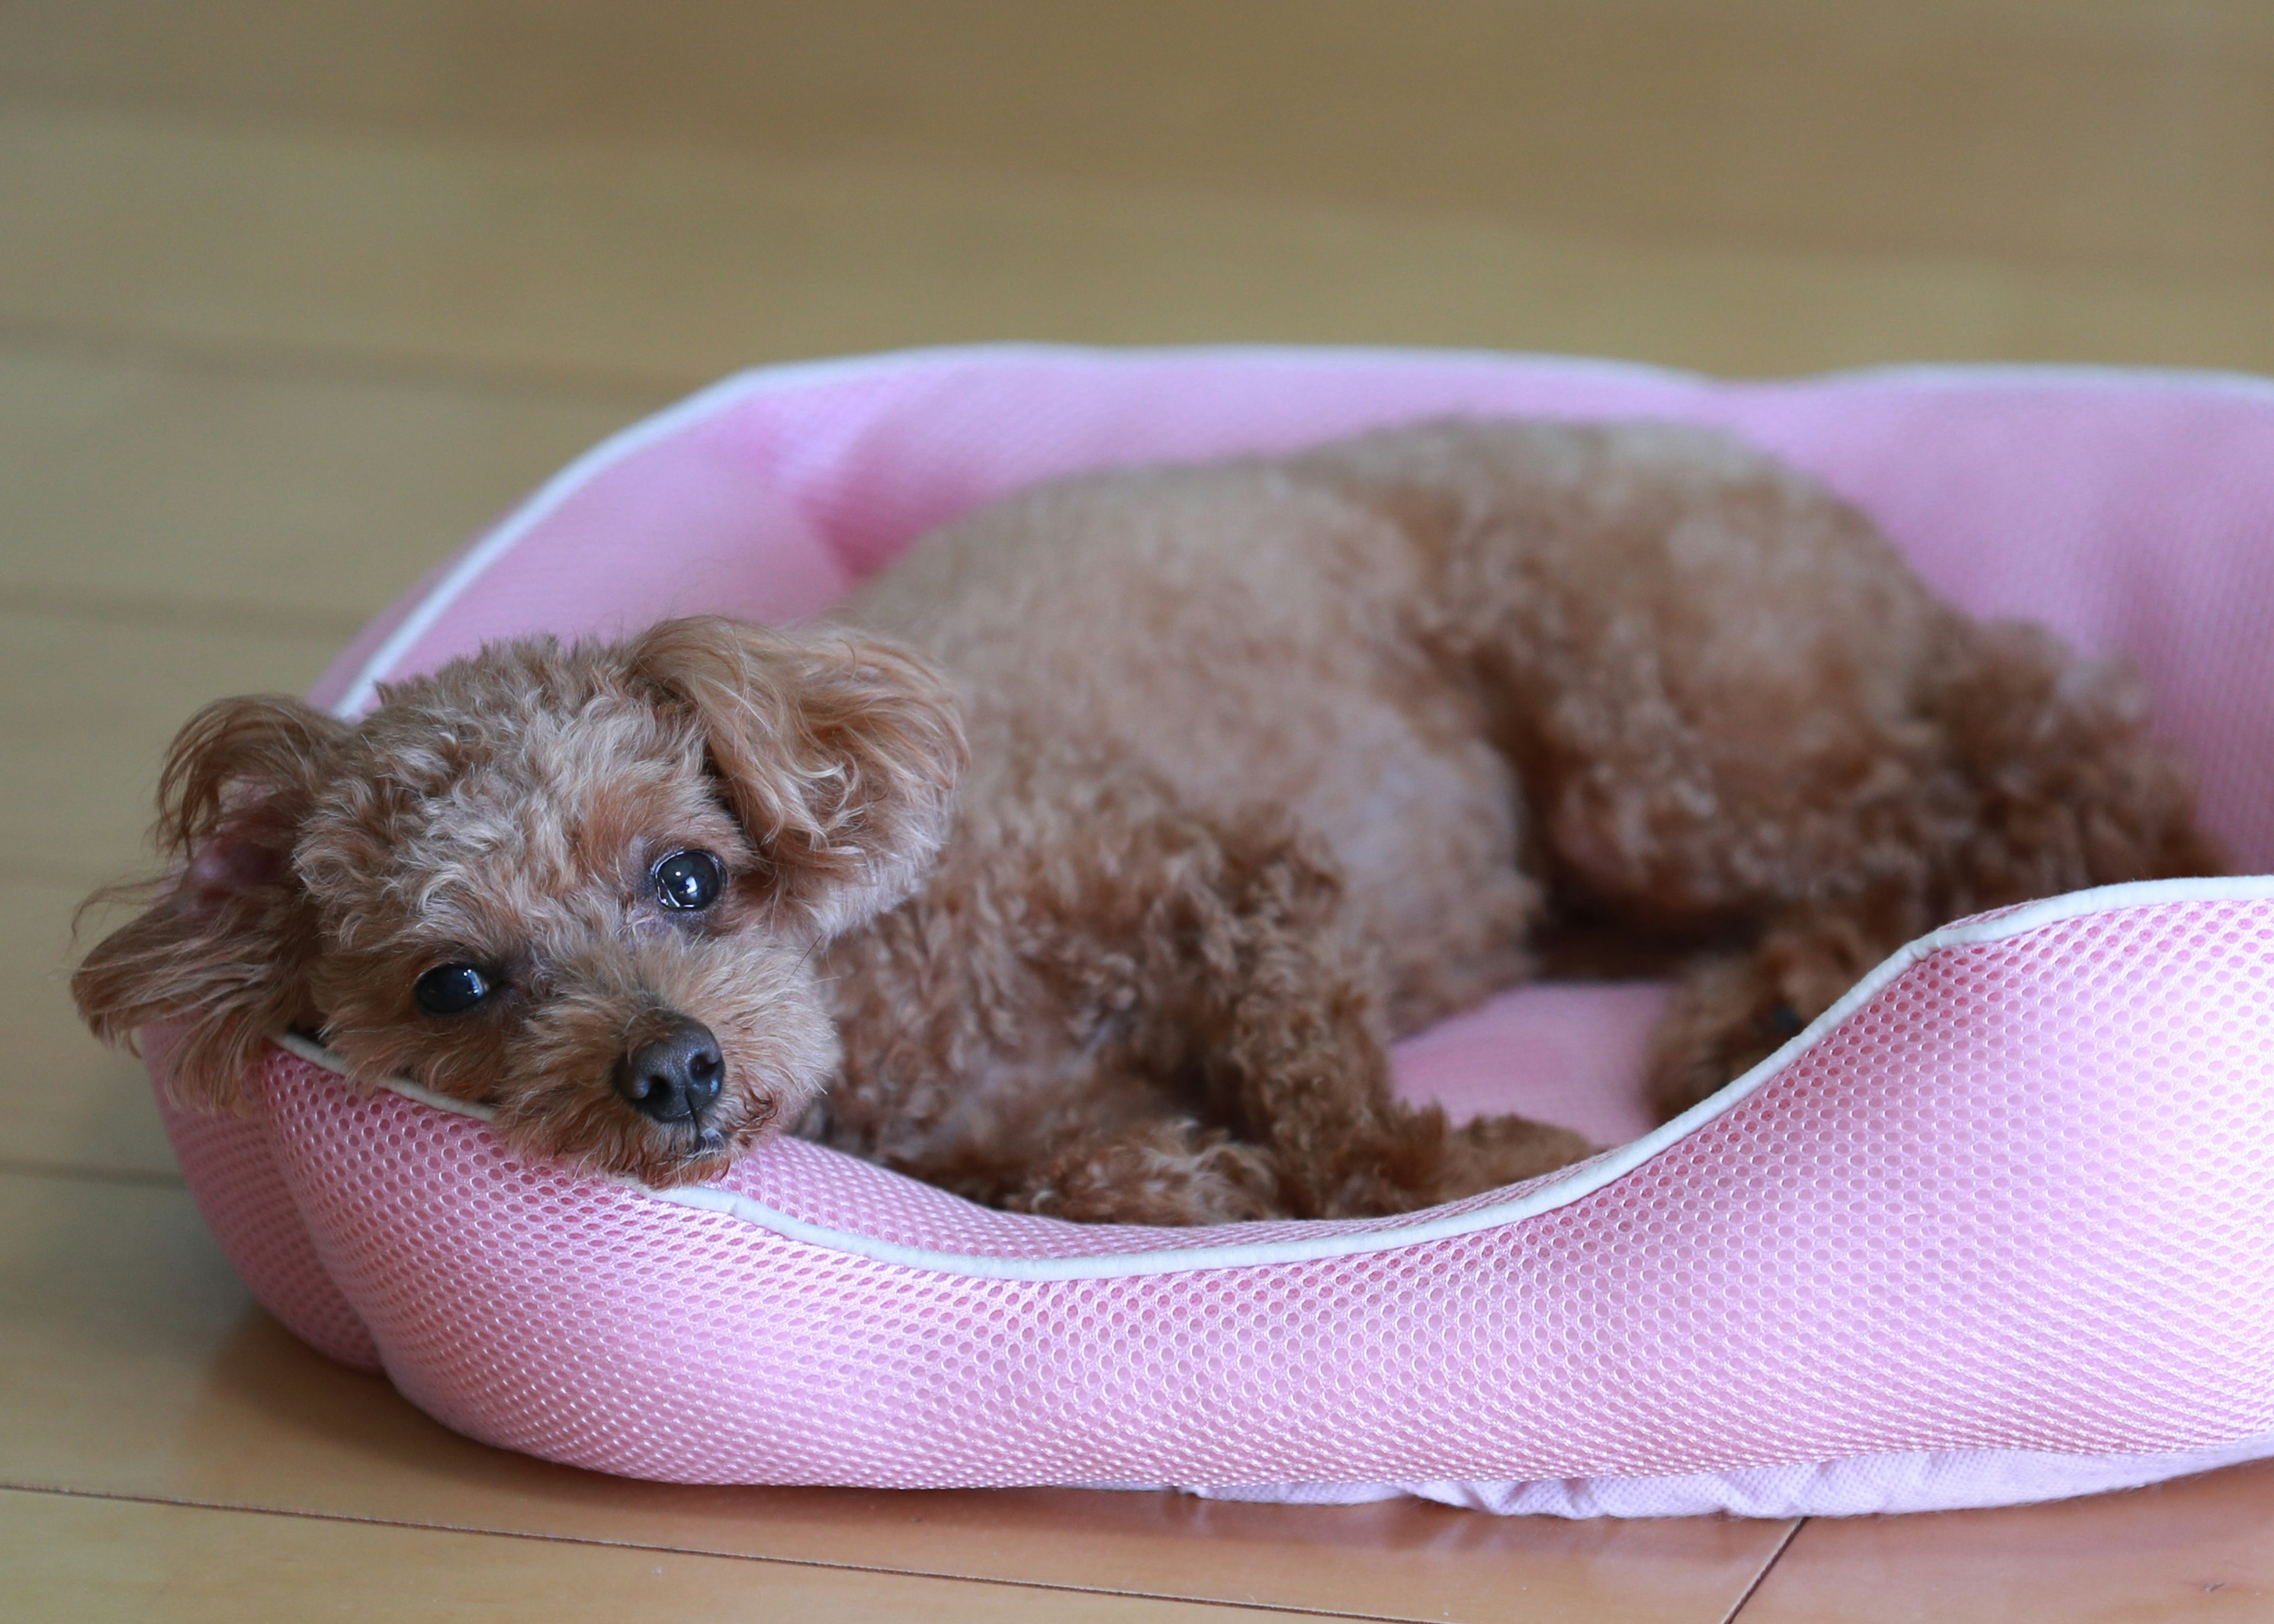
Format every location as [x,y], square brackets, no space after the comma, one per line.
[1998,1227]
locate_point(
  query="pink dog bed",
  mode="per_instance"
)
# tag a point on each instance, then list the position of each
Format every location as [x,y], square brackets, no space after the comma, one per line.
[1998,1227]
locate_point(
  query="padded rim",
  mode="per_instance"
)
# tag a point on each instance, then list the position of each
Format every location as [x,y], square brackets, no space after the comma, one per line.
[1813,1482]
[1840,1487]
[763,380]
[1558,1190]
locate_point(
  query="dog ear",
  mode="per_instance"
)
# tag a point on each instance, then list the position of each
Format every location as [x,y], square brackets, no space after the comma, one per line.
[838,752]
[221,954]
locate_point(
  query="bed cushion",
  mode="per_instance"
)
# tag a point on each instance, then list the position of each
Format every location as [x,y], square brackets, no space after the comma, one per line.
[1994,1228]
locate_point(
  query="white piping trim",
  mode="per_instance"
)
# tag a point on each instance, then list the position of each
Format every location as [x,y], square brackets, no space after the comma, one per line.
[1603,1170]
[541,505]
[756,382]
[761,381]
[1841,1486]
[2053,374]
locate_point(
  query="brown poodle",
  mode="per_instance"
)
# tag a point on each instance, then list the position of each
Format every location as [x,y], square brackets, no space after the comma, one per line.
[1087,865]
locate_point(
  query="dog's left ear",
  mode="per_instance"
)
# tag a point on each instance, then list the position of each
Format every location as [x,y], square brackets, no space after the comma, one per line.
[838,751]
[222,955]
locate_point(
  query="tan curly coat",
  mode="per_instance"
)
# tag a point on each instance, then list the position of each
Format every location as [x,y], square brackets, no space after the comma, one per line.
[1087,865]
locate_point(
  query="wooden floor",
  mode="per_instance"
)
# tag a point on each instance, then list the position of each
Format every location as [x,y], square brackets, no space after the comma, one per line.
[294,295]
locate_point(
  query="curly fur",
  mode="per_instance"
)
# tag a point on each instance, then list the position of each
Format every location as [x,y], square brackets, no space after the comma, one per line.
[1090,864]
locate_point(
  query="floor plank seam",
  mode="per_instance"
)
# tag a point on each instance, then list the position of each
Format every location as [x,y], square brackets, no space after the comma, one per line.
[11,1166]
[284,360]
[25,1487]
[173,613]
[24,871]
[1740,1605]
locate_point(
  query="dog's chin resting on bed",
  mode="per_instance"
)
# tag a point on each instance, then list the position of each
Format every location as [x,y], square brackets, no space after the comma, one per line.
[1086,864]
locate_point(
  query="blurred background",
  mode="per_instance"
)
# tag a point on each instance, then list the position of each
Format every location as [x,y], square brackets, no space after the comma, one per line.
[600,194]
[295,294]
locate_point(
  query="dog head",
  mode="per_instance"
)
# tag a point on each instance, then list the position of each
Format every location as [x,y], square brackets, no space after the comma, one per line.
[583,886]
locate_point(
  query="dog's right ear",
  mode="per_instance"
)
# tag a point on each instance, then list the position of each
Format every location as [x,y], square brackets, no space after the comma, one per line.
[838,751]
[221,953]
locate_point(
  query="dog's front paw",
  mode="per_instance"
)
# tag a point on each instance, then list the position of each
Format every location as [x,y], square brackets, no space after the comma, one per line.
[1168,1172]
[1731,1013]
[1727,1016]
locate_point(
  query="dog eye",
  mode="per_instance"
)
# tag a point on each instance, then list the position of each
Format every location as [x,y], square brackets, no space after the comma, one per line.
[451,989]
[689,881]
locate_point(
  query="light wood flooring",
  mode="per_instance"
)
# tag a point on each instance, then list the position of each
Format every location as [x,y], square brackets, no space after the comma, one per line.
[294,294]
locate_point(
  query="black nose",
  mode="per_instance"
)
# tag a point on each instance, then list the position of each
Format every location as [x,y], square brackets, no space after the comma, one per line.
[676,1077]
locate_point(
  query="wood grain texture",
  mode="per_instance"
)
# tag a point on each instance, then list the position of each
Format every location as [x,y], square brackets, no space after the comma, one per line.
[133,1365]
[92,1562]
[660,266]
[67,1104]
[88,706]
[294,294]
[2114,134]
[188,491]
[2201,1548]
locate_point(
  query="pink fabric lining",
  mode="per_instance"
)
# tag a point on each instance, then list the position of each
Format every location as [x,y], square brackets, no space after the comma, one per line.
[2012,1207]
[2126,513]
[2013,1203]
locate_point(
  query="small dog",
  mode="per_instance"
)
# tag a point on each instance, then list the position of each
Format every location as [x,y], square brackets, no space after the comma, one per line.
[1088,862]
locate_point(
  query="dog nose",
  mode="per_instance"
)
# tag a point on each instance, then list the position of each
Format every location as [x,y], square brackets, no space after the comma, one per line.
[676,1077]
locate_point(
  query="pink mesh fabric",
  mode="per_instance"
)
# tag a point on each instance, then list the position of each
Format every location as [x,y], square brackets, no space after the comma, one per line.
[231,1167]
[807,1183]
[2014,1201]
[233,1176]
[1997,1230]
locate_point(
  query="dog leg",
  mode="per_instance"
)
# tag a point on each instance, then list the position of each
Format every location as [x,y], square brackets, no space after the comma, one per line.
[1169,1170]
[1306,1078]
[1731,1011]
[2042,779]
[1281,1011]
[1168,1020]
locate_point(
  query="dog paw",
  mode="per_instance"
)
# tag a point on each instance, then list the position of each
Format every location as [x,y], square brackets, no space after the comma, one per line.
[1725,1018]
[1162,1173]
